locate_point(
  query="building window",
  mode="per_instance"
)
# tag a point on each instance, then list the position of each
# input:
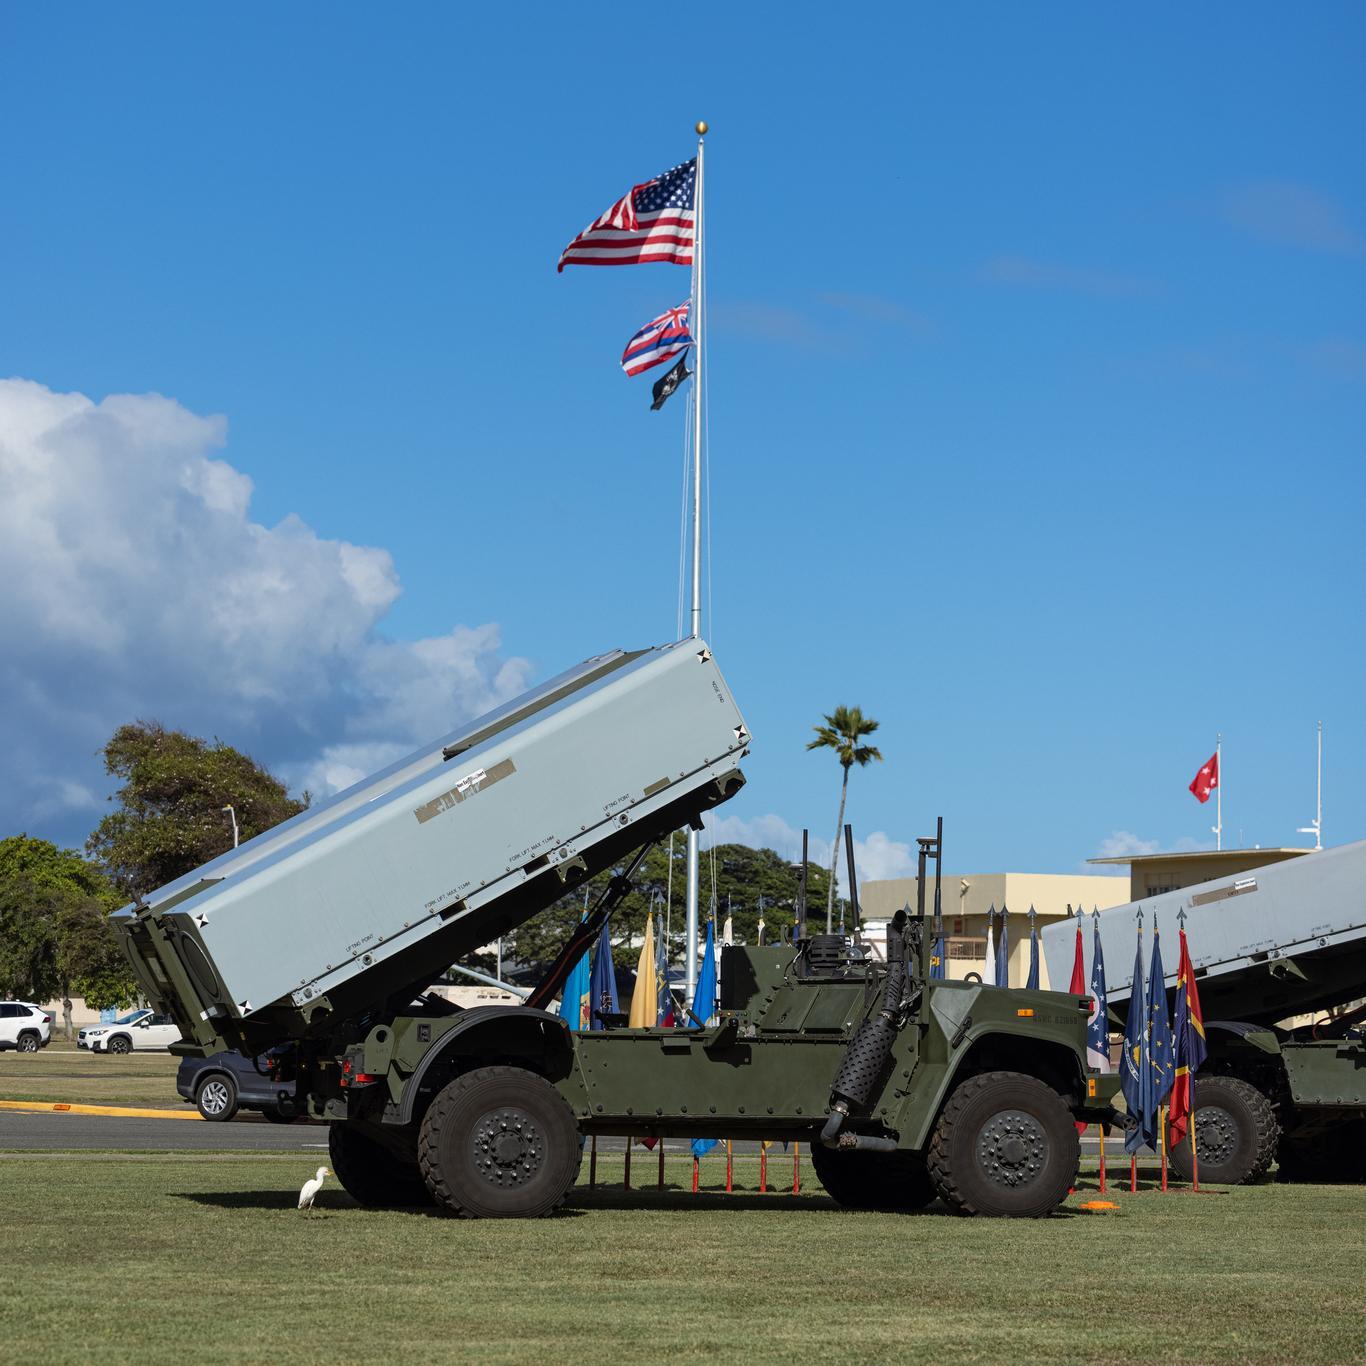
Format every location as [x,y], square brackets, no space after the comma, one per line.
[1156,889]
[967,948]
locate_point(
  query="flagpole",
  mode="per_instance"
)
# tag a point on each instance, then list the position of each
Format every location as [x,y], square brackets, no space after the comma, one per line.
[1219,791]
[697,325]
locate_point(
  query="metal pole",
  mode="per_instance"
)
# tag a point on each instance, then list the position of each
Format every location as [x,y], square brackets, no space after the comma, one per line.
[1219,792]
[696,322]
[1318,799]
[233,815]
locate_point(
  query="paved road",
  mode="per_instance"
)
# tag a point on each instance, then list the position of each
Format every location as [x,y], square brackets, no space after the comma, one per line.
[57,1131]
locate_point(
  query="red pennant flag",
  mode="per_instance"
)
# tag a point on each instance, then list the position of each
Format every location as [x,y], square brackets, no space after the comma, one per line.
[1077,987]
[1190,1044]
[1207,779]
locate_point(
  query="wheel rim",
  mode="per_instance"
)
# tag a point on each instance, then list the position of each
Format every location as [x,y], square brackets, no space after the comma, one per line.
[120,1046]
[1216,1135]
[507,1148]
[1012,1149]
[214,1097]
[28,1044]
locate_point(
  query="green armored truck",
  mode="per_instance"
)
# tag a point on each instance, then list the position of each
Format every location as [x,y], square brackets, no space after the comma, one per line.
[314,942]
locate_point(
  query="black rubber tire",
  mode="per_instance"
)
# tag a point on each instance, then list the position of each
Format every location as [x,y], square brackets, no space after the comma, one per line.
[1005,1145]
[278,1116]
[372,1173]
[1236,1133]
[120,1043]
[215,1097]
[499,1143]
[28,1043]
[873,1181]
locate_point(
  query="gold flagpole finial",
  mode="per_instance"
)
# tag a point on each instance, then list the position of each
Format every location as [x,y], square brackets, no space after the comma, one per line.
[701,128]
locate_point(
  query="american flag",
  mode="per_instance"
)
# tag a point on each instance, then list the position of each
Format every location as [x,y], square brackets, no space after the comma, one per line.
[654,222]
[666,336]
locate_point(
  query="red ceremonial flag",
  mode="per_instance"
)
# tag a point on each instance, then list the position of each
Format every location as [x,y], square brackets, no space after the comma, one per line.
[1077,987]
[1190,1044]
[1207,779]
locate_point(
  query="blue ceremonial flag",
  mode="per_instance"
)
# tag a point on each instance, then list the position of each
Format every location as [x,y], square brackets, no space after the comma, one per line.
[702,1146]
[704,995]
[1160,1052]
[937,964]
[574,1000]
[664,999]
[1032,981]
[1133,1071]
[1003,950]
[602,991]
[1098,1023]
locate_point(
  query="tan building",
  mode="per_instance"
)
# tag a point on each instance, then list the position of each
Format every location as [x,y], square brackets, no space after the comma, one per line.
[1152,874]
[967,899]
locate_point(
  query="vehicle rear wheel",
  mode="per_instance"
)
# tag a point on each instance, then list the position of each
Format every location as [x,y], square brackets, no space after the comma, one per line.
[120,1043]
[1005,1145]
[28,1043]
[1235,1133]
[880,1181]
[372,1173]
[499,1143]
[216,1097]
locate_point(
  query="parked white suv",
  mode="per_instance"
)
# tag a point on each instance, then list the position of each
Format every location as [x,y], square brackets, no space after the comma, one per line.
[140,1029]
[24,1026]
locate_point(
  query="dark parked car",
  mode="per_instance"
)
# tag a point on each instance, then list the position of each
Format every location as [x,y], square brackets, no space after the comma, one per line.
[227,1082]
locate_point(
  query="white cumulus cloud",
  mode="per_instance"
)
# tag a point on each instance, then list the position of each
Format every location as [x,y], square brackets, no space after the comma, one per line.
[133,583]
[879,856]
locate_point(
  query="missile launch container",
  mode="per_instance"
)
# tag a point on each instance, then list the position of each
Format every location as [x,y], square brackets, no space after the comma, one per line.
[316,941]
[1269,947]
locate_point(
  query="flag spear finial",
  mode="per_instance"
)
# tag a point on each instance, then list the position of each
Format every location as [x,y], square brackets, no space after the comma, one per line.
[701,128]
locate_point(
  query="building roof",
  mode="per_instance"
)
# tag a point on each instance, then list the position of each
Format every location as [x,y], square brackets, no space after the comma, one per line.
[1242,854]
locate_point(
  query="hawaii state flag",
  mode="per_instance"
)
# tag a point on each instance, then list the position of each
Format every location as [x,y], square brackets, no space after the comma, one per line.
[1207,779]
[1190,1044]
[657,341]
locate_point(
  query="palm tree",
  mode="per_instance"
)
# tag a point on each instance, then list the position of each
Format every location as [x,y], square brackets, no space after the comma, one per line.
[842,730]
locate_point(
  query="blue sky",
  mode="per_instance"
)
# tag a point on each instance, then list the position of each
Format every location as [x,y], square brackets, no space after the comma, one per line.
[1038,390]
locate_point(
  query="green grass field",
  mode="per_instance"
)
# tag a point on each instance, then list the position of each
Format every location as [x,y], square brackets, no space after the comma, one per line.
[63,1072]
[202,1257]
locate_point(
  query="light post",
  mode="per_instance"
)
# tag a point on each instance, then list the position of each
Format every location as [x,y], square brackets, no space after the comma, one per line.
[233,814]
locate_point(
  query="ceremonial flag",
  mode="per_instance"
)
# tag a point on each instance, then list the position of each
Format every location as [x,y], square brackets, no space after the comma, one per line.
[1077,986]
[659,339]
[643,998]
[1207,779]
[1098,1022]
[1003,951]
[574,1002]
[664,1000]
[654,222]
[937,965]
[1190,1043]
[704,995]
[1133,1070]
[989,961]
[1159,1032]
[602,989]
[1032,981]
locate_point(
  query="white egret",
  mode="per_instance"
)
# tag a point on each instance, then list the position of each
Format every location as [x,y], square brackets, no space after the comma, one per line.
[311,1189]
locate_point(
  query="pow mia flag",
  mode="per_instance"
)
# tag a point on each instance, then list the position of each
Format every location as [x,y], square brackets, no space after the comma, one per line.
[663,388]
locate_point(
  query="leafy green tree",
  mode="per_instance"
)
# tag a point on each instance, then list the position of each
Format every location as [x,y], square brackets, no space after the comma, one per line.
[734,877]
[55,936]
[171,815]
[842,730]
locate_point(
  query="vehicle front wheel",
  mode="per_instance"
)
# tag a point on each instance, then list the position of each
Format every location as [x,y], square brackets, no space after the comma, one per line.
[874,1181]
[1006,1146]
[499,1143]
[216,1097]
[28,1043]
[121,1043]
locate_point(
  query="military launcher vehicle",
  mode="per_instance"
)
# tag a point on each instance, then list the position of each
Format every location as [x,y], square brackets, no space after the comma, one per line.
[317,939]
[1269,945]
